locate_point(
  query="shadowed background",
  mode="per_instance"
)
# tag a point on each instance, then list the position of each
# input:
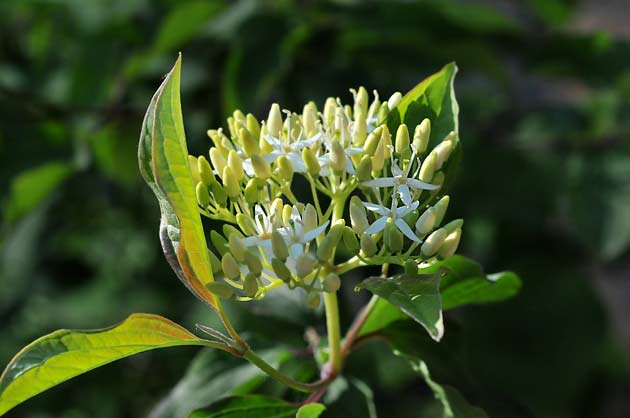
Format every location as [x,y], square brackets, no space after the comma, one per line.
[544,91]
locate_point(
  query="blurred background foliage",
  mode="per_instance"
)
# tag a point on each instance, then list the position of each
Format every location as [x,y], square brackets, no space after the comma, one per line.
[544,90]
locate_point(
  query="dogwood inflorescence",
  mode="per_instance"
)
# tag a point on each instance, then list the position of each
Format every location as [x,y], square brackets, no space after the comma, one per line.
[304,198]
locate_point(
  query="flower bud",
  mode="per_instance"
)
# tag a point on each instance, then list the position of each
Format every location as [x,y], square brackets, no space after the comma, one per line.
[218,160]
[228,230]
[341,123]
[386,137]
[313,300]
[213,134]
[350,240]
[237,247]
[220,289]
[236,163]
[393,238]
[309,119]
[275,210]
[304,265]
[287,211]
[309,217]
[250,285]
[433,242]
[359,132]
[248,142]
[411,267]
[252,125]
[331,283]
[215,263]
[368,245]
[378,160]
[358,216]
[230,267]
[231,126]
[285,168]
[427,169]
[361,101]
[205,171]
[383,112]
[265,147]
[411,217]
[438,180]
[364,170]
[219,242]
[440,209]
[402,141]
[421,136]
[219,194]
[311,162]
[253,263]
[337,158]
[329,113]
[453,225]
[203,198]
[451,242]
[261,167]
[394,100]
[230,183]
[374,106]
[426,222]
[442,152]
[194,171]
[329,243]
[238,116]
[274,121]
[281,270]
[246,224]
[251,191]
[279,247]
[372,141]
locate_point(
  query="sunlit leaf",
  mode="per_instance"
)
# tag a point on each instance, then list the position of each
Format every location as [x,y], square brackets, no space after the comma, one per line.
[247,406]
[312,410]
[163,160]
[65,354]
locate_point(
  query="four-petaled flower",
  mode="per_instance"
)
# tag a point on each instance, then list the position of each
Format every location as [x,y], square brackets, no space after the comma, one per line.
[394,214]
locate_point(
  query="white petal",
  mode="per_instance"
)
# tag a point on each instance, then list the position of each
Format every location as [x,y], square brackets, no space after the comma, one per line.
[274,142]
[248,167]
[396,171]
[417,184]
[405,195]
[404,228]
[382,182]
[349,166]
[377,226]
[353,151]
[296,161]
[376,208]
[312,234]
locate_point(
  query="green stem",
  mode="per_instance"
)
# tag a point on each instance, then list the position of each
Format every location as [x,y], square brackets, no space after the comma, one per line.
[256,360]
[334,330]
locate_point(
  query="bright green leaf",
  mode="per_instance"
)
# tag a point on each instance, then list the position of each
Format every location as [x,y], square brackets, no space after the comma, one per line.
[65,354]
[163,161]
[416,295]
[30,188]
[247,407]
[312,410]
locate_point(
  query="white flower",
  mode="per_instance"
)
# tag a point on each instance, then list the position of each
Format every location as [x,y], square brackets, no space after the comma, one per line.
[394,213]
[296,236]
[401,182]
[264,224]
[292,150]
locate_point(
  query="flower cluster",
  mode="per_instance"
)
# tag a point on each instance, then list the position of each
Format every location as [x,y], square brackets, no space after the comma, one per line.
[283,189]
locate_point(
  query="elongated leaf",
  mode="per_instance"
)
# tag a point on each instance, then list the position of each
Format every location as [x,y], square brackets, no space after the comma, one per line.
[163,161]
[65,354]
[247,407]
[312,410]
[416,295]
[463,282]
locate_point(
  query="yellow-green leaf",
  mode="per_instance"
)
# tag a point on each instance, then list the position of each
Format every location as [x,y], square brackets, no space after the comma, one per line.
[163,161]
[64,354]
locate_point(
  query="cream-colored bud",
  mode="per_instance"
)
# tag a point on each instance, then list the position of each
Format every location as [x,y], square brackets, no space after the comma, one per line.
[250,285]
[364,169]
[427,169]
[238,116]
[328,244]
[275,210]
[313,299]
[411,267]
[383,112]
[278,246]
[248,142]
[393,238]
[219,194]
[421,136]
[287,211]
[252,260]
[402,141]
[215,263]
[237,247]
[282,271]
[337,158]
[361,101]
[372,141]
[309,218]
[205,171]
[231,185]
[246,224]
[386,138]
[235,161]
[285,168]
[220,289]
[304,265]
[252,191]
[341,122]
[358,216]
[252,125]
[309,119]
[433,242]
[426,222]
[230,267]
[394,100]
[442,151]
[368,245]
[218,160]
[331,283]
[274,121]
[374,106]
[229,229]
[359,132]
[231,126]
[194,170]
[311,162]
[378,160]
[350,240]
[265,147]
[329,112]
[438,180]
[219,242]
[451,242]
[440,209]
[203,198]
[261,167]
[454,225]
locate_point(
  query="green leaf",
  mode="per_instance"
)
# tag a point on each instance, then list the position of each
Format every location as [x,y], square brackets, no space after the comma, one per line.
[433,98]
[163,161]
[416,295]
[247,407]
[463,282]
[30,188]
[312,410]
[350,398]
[65,354]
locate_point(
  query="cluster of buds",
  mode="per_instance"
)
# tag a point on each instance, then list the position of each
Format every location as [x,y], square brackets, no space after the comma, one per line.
[342,160]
